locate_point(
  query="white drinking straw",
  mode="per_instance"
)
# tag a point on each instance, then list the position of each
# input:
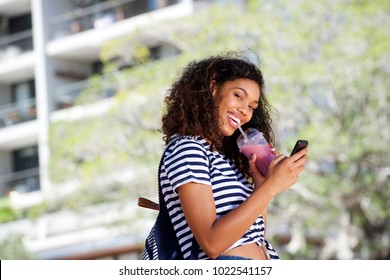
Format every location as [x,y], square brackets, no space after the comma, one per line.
[243,134]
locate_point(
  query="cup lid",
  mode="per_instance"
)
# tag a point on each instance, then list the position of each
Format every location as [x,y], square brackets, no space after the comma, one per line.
[254,137]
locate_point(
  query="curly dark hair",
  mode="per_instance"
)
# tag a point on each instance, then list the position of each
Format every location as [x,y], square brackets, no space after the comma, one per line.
[190,109]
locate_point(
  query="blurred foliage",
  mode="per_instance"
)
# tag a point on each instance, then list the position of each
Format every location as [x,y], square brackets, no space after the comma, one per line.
[7,212]
[12,248]
[37,211]
[338,100]
[326,66]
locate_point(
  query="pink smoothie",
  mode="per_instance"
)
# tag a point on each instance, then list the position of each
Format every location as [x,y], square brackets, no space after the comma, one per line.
[264,156]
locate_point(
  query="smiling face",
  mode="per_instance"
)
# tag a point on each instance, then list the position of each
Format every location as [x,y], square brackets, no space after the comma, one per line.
[235,101]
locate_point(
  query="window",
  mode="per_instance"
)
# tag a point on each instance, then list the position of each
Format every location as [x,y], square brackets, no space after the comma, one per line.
[22,91]
[23,100]
[25,170]
[25,158]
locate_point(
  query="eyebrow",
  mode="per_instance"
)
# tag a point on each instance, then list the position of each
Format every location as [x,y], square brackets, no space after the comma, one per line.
[246,94]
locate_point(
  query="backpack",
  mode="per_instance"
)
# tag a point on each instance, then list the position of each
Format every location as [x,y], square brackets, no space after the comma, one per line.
[161,242]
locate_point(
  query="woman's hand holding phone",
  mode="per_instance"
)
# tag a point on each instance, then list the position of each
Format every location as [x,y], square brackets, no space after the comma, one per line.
[284,171]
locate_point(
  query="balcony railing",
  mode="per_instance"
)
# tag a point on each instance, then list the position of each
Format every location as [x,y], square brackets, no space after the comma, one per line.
[14,113]
[66,96]
[103,14]
[15,44]
[71,94]
[21,181]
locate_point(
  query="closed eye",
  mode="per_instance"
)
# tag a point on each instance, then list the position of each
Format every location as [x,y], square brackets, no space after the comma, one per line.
[238,96]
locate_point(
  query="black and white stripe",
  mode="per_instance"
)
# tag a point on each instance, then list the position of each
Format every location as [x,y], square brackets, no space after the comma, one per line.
[189,159]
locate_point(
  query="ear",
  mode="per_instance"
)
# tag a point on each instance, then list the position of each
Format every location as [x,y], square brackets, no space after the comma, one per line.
[213,87]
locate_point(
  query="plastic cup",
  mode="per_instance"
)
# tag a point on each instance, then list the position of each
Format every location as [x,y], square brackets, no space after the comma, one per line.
[256,144]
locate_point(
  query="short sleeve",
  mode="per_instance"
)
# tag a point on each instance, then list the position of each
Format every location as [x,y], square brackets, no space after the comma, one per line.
[187,162]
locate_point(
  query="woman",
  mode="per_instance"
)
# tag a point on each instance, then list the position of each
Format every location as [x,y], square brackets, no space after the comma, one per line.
[214,194]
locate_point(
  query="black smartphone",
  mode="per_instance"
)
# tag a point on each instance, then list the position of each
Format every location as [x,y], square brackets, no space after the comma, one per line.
[301,144]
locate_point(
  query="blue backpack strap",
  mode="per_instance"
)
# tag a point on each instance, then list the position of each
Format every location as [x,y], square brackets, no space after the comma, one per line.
[164,219]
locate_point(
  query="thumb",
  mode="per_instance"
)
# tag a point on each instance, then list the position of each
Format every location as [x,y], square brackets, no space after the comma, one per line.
[252,161]
[252,164]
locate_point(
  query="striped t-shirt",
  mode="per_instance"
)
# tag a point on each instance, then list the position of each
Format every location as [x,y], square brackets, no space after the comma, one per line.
[189,159]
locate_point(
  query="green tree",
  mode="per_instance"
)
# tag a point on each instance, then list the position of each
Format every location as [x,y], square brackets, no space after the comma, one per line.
[343,110]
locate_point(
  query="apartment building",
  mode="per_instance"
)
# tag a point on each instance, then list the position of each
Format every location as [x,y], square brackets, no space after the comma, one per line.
[48,50]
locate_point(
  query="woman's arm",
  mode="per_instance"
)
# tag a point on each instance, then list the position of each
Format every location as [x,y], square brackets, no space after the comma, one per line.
[216,235]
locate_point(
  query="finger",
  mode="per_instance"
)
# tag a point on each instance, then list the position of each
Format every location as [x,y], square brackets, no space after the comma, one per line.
[303,158]
[256,175]
[252,164]
[299,165]
[252,161]
[300,169]
[278,159]
[301,161]
[299,154]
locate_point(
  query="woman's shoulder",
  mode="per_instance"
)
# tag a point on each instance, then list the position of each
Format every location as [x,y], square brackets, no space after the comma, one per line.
[188,142]
[189,147]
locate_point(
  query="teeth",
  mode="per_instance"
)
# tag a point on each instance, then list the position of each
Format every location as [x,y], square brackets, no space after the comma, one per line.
[234,118]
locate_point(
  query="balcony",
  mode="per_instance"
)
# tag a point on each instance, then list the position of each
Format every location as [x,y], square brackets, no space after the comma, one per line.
[17,58]
[20,182]
[15,44]
[15,113]
[102,14]
[79,34]
[69,95]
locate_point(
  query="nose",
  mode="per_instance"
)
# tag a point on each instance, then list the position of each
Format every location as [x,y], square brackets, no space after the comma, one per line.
[243,109]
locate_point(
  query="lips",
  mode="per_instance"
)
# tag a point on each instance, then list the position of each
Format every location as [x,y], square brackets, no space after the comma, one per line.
[233,120]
